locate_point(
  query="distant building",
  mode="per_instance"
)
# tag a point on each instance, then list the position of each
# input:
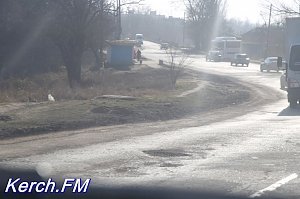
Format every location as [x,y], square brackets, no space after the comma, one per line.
[157,28]
[153,13]
[254,42]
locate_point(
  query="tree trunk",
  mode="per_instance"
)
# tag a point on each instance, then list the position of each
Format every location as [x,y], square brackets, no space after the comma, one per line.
[97,59]
[74,72]
[72,60]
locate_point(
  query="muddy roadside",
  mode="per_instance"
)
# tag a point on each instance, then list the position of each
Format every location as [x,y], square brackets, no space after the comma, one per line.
[196,93]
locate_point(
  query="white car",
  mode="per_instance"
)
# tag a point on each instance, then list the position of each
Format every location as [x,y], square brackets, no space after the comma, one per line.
[269,64]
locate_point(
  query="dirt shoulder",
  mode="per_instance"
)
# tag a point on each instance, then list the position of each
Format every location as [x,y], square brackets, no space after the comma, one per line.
[209,92]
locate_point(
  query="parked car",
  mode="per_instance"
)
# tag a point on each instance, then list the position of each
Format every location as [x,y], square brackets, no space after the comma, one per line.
[240,59]
[164,46]
[214,56]
[139,38]
[269,64]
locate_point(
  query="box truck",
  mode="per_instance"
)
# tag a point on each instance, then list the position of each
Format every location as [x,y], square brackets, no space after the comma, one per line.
[292,56]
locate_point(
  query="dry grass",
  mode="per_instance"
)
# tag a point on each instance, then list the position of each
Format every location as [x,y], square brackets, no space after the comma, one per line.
[155,102]
[138,83]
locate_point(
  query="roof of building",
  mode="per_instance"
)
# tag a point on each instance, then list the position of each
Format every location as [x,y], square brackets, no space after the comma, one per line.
[259,34]
[122,42]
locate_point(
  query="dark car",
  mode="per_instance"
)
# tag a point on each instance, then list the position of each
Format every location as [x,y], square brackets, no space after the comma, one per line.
[164,46]
[214,56]
[240,59]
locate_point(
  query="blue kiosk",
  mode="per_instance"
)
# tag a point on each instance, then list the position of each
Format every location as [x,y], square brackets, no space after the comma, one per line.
[120,54]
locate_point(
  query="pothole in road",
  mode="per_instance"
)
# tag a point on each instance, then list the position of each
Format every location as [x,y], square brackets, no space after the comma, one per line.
[167,153]
[166,164]
[125,169]
[5,118]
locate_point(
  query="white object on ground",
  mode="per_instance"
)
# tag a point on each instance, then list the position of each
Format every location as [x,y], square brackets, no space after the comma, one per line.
[51,98]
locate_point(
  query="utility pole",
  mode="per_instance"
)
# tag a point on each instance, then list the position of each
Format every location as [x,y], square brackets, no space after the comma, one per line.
[119,18]
[102,34]
[183,34]
[268,34]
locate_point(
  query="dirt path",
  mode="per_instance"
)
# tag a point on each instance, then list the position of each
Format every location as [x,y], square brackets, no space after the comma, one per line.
[200,86]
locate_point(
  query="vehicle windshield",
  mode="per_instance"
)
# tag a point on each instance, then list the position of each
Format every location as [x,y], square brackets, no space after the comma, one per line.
[139,37]
[271,59]
[233,44]
[242,56]
[162,97]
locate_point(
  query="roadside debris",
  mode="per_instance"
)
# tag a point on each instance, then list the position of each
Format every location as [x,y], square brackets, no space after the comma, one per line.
[51,98]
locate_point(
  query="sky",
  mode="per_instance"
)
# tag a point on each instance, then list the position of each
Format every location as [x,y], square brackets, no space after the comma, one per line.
[254,11]
[245,10]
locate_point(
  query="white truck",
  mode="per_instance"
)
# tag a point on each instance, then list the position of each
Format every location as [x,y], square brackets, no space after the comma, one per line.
[292,56]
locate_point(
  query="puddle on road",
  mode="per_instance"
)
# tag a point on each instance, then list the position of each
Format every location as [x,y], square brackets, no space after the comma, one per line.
[166,164]
[166,153]
[125,169]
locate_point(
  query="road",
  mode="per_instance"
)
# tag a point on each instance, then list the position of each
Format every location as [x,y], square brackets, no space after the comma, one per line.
[252,150]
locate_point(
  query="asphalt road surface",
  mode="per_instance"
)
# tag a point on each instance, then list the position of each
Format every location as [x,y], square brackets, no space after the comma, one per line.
[251,149]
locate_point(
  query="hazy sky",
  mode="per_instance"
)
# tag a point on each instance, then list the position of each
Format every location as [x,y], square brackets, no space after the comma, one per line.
[252,10]
[245,10]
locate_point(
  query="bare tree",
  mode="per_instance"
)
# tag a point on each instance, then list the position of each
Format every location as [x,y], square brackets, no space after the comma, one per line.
[100,31]
[70,21]
[73,27]
[284,8]
[202,16]
[25,49]
[177,62]
[289,9]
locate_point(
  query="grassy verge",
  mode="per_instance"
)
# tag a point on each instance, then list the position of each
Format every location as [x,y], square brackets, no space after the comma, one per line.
[76,114]
[82,108]
[139,82]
